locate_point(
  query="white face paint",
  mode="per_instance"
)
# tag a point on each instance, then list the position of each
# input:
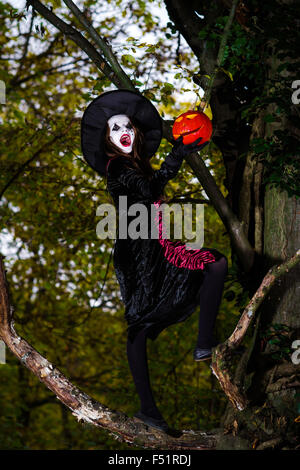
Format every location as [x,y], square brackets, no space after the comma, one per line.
[121,132]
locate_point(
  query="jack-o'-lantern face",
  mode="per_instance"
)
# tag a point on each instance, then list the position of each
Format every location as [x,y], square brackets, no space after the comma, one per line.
[192,125]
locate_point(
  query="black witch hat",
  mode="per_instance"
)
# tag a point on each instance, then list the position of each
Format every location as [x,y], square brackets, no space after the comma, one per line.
[93,125]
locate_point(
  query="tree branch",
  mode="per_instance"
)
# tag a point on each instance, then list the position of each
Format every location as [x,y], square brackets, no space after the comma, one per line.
[221,51]
[16,82]
[26,44]
[106,49]
[266,285]
[222,353]
[33,157]
[126,429]
[80,40]
[240,242]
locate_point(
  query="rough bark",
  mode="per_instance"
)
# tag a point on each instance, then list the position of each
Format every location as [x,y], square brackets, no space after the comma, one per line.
[251,198]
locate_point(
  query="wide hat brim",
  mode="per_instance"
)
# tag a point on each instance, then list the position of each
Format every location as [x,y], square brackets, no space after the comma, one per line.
[93,124]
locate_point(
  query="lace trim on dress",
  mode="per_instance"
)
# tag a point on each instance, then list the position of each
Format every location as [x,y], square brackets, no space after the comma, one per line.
[176,252]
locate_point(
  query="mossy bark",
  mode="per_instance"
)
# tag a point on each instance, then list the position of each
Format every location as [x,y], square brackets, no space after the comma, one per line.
[272,381]
[281,240]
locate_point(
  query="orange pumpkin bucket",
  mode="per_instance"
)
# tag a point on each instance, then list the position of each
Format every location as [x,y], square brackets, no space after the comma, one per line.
[192,125]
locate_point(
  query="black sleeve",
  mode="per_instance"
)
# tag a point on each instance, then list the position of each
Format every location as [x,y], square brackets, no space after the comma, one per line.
[132,179]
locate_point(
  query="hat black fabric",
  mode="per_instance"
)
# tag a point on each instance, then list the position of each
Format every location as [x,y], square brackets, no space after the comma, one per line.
[133,105]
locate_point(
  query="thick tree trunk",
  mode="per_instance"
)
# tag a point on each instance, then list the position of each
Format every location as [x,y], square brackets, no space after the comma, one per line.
[282,307]
[269,376]
[272,380]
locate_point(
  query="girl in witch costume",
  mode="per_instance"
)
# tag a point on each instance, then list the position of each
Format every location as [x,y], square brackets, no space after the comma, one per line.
[161,282]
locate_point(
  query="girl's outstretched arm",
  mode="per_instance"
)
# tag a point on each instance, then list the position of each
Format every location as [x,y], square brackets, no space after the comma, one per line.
[129,177]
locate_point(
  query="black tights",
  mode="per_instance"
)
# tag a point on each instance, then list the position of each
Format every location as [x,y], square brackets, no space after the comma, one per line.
[137,358]
[210,298]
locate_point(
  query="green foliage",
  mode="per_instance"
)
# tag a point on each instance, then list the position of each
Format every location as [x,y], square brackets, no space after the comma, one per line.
[277,338]
[247,58]
[280,156]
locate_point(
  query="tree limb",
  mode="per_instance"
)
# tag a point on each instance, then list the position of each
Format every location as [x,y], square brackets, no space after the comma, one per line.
[104,46]
[26,44]
[80,40]
[33,157]
[235,229]
[266,285]
[126,429]
[242,246]
[222,353]
[221,52]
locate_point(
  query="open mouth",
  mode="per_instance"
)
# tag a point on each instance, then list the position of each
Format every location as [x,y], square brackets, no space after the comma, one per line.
[191,132]
[125,140]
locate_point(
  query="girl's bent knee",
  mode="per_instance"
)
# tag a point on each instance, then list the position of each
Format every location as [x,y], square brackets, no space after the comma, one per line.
[225,263]
[220,265]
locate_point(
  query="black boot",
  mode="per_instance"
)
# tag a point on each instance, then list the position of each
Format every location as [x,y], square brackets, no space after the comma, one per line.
[154,423]
[202,354]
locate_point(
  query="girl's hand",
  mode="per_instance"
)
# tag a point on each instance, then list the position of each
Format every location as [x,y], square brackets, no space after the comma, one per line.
[180,150]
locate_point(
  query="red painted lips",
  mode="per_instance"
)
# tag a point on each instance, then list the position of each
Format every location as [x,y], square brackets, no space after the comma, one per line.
[125,140]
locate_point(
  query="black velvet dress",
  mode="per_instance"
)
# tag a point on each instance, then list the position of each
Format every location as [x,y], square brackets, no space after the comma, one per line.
[159,284]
